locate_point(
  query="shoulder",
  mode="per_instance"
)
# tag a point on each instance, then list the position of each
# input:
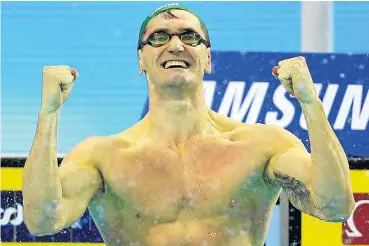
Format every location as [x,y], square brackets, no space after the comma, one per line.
[270,136]
[92,152]
[275,132]
[96,147]
[243,131]
[84,151]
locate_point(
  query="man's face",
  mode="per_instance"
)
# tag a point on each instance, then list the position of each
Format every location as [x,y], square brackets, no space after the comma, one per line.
[154,60]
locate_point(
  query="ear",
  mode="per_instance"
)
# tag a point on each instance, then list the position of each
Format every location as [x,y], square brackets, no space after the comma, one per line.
[208,64]
[141,68]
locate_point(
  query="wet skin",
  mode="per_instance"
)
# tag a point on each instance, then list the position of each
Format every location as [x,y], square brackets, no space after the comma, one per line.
[211,191]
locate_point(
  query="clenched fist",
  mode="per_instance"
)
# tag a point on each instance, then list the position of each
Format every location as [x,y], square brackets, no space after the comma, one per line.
[295,76]
[57,82]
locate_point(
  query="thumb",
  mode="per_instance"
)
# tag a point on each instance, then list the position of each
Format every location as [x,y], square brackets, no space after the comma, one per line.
[74,73]
[275,71]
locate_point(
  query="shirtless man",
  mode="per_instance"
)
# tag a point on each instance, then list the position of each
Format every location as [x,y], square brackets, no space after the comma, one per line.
[183,175]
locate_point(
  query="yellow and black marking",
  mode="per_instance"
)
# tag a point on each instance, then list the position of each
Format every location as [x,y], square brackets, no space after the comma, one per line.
[17,234]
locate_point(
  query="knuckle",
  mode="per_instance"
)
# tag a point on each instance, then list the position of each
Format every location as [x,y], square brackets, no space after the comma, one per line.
[302,59]
[62,73]
[47,69]
[60,67]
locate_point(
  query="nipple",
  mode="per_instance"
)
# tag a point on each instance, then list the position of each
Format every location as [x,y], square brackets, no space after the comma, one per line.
[232,203]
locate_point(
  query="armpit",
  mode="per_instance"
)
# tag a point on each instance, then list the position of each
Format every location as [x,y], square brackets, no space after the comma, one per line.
[291,183]
[299,195]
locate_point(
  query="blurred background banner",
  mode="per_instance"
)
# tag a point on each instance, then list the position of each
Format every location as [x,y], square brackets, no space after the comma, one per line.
[248,38]
[242,87]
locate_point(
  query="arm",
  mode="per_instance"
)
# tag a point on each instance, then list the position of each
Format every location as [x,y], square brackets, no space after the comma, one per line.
[55,197]
[317,184]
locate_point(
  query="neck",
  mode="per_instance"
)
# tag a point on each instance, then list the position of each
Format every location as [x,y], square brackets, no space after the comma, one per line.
[176,113]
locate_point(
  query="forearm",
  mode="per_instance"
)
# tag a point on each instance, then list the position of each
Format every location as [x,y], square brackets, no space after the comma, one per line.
[330,173]
[41,185]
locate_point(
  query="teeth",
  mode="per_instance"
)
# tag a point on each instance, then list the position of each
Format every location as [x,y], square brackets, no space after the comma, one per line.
[175,63]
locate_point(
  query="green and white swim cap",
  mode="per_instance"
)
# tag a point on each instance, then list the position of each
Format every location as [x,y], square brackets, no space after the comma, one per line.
[162,9]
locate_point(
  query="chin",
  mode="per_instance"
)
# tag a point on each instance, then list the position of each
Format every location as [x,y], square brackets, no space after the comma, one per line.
[180,80]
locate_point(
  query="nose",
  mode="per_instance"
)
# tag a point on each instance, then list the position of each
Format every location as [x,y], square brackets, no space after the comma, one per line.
[175,45]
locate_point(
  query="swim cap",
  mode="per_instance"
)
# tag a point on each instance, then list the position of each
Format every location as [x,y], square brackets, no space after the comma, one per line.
[162,9]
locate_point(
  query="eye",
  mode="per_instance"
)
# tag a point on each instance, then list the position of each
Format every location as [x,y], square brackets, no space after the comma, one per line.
[190,38]
[158,38]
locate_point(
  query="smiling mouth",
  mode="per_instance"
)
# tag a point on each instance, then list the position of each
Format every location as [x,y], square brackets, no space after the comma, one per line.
[175,64]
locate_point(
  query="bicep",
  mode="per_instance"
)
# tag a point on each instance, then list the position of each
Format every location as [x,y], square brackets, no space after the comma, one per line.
[294,163]
[79,184]
[291,171]
[80,180]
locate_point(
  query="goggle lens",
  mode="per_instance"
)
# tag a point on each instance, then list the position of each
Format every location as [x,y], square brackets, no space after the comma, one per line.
[158,39]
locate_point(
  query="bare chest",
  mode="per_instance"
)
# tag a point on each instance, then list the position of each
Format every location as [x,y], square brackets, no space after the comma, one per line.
[199,177]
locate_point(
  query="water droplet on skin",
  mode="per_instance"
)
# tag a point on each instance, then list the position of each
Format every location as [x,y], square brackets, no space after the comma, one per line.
[100,209]
[191,203]
[300,85]
[59,206]
[131,183]
[156,221]
[231,232]
[49,207]
[191,194]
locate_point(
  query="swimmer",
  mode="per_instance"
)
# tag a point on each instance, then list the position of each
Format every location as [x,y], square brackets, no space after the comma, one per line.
[184,174]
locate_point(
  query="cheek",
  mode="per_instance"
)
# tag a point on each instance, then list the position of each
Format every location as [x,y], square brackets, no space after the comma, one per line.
[150,65]
[198,57]
[151,58]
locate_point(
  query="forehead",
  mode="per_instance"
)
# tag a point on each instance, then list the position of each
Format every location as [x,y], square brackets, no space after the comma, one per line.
[174,22]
